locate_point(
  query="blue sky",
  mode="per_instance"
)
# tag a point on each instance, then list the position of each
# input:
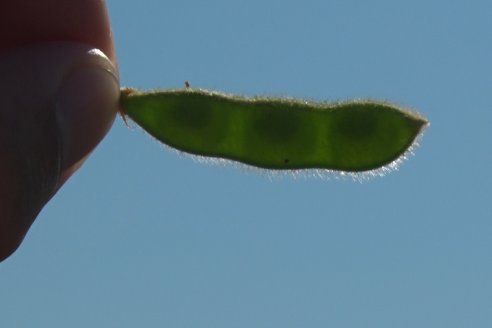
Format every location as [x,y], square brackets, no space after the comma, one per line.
[145,237]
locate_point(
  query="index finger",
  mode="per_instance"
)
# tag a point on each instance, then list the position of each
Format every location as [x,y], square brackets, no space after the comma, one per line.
[26,22]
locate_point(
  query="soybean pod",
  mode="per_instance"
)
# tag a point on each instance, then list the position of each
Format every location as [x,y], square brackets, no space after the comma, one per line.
[276,133]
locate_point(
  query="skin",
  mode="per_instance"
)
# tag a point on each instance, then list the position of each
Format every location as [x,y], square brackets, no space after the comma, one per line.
[38,150]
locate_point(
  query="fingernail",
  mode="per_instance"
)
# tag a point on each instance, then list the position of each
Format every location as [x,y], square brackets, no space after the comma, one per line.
[86,106]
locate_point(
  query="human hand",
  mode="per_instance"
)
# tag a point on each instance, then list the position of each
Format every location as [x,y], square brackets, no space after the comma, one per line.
[59,96]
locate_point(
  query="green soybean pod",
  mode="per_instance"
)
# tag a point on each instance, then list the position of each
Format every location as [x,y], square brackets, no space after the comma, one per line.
[276,133]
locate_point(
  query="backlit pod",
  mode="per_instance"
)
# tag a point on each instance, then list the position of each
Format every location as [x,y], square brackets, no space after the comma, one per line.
[276,133]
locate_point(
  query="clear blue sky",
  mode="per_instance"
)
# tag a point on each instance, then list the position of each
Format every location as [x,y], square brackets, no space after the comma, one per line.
[144,237]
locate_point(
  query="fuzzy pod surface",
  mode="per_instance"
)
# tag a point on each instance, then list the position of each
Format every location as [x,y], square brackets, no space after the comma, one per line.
[276,133]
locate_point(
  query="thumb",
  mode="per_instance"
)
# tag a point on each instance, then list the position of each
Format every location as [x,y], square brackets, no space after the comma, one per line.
[58,101]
